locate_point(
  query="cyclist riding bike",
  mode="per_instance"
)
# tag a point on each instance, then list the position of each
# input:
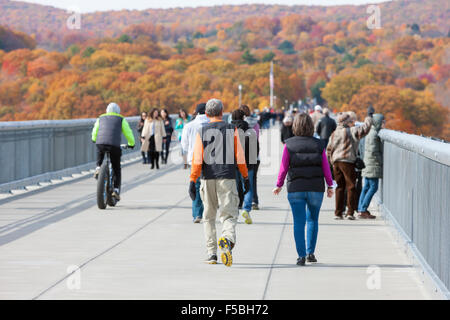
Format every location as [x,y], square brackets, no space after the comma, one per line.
[107,136]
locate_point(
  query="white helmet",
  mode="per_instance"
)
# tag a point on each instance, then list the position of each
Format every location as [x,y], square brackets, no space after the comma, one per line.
[318,108]
[113,107]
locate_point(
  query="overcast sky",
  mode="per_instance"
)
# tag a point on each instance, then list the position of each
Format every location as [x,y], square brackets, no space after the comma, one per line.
[105,5]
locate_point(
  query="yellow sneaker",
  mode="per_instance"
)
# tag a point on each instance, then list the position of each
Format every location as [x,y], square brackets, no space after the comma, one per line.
[248,219]
[226,245]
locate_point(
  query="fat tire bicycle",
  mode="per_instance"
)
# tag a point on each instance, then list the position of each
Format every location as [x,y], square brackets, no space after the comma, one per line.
[105,183]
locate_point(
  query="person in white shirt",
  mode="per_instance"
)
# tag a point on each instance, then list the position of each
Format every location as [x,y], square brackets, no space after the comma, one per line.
[188,138]
[317,115]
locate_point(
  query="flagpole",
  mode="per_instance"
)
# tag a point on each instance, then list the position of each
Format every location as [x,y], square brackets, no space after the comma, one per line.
[271,79]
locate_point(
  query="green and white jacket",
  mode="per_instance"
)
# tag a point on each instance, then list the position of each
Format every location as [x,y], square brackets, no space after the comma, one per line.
[108,130]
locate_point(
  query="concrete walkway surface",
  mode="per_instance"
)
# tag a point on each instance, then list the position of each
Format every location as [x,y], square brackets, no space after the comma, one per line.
[148,248]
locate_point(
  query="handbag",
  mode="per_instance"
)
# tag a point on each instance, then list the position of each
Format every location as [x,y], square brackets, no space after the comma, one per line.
[359,163]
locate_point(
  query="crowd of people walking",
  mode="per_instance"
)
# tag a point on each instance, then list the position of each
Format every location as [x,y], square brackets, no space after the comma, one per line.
[322,155]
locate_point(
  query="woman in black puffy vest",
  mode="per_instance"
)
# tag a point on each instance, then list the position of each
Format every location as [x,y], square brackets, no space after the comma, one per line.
[306,166]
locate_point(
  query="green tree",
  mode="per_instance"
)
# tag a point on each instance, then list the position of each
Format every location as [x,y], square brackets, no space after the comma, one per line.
[125,39]
[268,57]
[88,52]
[179,46]
[212,49]
[248,58]
[338,49]
[197,35]
[316,91]
[73,50]
[361,62]
[348,58]
[243,46]
[287,47]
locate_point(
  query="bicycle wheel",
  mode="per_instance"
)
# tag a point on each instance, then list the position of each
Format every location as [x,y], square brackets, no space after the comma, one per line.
[102,187]
[111,201]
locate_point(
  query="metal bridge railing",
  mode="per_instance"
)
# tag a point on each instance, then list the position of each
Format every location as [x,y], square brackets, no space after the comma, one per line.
[34,150]
[416,194]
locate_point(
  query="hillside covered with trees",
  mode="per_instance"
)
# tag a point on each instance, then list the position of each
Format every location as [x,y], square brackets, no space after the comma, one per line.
[176,58]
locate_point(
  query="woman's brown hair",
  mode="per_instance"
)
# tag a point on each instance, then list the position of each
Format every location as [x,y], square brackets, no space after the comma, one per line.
[167,114]
[150,115]
[183,111]
[303,125]
[246,110]
[237,114]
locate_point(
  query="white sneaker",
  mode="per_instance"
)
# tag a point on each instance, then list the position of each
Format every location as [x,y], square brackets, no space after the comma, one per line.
[116,194]
[97,172]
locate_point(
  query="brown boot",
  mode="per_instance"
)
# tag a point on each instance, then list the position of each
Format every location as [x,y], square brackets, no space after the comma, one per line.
[366,215]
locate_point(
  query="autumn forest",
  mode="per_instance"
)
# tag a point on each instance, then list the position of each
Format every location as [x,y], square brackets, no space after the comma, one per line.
[176,58]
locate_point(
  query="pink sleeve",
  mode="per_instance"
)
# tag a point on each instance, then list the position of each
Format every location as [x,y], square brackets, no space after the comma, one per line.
[283,168]
[326,169]
[256,127]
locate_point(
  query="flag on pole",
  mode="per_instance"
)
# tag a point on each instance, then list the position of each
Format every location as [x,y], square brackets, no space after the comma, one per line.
[271,84]
[271,75]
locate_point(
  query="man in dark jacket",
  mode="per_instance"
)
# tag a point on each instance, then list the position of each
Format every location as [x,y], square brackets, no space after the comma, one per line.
[326,126]
[265,119]
[249,141]
[286,129]
[252,121]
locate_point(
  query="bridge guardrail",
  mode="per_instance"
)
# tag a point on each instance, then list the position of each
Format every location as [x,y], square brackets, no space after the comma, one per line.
[34,150]
[415,193]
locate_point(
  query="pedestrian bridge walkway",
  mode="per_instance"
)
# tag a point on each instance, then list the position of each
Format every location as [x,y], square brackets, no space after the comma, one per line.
[56,244]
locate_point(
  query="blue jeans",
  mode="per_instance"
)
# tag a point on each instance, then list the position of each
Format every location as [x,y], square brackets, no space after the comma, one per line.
[197,204]
[305,210]
[248,197]
[367,192]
